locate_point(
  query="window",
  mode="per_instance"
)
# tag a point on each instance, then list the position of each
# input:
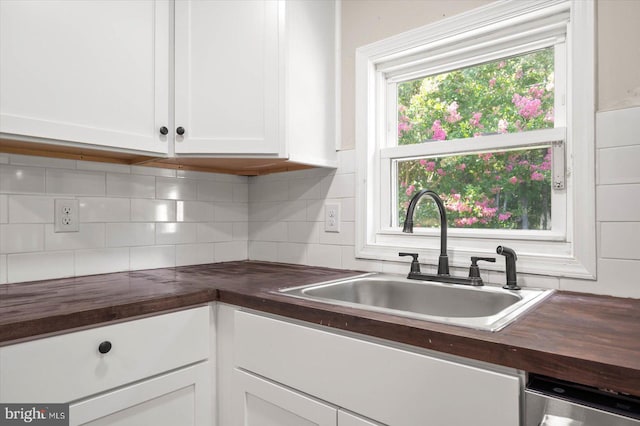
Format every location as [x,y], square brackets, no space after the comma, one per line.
[493,110]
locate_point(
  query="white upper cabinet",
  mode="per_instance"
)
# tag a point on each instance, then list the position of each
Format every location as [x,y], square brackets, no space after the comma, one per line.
[226,77]
[252,78]
[86,73]
[257,78]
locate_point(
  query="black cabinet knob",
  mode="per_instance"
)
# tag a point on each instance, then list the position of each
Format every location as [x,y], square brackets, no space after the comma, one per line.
[180,131]
[164,130]
[104,347]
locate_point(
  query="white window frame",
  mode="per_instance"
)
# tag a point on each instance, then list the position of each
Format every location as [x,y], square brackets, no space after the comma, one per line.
[476,36]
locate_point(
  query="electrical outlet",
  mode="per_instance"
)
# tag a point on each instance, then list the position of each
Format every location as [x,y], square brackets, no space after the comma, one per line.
[66,215]
[332,217]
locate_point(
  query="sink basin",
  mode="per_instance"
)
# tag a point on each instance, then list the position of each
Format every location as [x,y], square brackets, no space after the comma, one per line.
[485,308]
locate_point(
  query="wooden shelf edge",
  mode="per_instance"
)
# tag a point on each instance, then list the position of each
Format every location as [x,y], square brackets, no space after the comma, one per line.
[225,165]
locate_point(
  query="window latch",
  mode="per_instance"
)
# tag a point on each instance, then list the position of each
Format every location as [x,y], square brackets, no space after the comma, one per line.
[559,164]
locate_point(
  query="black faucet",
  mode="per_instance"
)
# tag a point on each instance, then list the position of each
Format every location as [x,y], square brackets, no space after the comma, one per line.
[510,259]
[443,260]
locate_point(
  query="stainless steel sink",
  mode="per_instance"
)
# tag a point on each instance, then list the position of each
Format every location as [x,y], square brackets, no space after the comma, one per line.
[485,308]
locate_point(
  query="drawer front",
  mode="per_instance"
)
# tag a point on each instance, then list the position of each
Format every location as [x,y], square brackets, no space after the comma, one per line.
[71,366]
[391,385]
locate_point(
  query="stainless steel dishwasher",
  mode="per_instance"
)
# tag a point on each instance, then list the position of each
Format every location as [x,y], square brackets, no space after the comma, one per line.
[551,402]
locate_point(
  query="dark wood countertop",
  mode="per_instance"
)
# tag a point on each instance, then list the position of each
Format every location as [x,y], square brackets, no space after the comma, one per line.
[588,339]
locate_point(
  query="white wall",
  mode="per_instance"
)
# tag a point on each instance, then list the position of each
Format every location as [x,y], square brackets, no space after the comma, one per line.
[286,211]
[130,218]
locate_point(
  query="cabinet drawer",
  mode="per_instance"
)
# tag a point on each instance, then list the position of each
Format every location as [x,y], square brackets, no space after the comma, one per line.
[67,367]
[391,385]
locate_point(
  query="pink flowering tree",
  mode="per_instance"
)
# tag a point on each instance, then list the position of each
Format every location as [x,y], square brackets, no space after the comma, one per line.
[508,189]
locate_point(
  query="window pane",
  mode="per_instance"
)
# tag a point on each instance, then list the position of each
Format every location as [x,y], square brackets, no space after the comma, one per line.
[507,189]
[510,95]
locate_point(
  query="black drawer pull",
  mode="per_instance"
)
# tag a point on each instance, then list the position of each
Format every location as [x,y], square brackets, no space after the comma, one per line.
[104,347]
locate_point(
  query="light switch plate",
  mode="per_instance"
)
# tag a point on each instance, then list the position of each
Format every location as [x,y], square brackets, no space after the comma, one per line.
[332,217]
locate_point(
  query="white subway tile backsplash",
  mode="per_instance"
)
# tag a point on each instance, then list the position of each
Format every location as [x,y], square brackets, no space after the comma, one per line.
[268,231]
[39,266]
[306,189]
[240,193]
[29,160]
[101,261]
[229,251]
[98,209]
[176,233]
[269,190]
[152,257]
[303,232]
[324,255]
[240,231]
[347,161]
[349,261]
[215,191]
[91,235]
[347,208]
[264,251]
[618,203]
[265,211]
[129,217]
[315,211]
[292,253]
[231,212]
[75,182]
[3,268]
[103,167]
[215,232]
[176,189]
[617,128]
[341,186]
[152,171]
[619,240]
[194,211]
[4,208]
[153,210]
[294,211]
[619,165]
[132,186]
[30,209]
[191,174]
[346,236]
[20,238]
[22,180]
[130,234]
[194,254]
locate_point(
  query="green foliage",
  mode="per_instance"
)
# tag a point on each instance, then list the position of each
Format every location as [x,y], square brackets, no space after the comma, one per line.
[508,189]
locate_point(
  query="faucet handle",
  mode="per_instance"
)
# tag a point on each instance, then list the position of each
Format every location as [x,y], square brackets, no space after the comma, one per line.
[415,265]
[474,271]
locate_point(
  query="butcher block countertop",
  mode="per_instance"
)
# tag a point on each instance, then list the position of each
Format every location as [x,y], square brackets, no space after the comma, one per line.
[588,339]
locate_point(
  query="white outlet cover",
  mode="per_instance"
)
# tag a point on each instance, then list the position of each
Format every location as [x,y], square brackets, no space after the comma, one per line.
[332,217]
[66,215]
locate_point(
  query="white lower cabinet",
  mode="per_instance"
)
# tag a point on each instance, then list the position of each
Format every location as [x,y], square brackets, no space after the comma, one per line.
[342,374]
[150,371]
[270,404]
[180,398]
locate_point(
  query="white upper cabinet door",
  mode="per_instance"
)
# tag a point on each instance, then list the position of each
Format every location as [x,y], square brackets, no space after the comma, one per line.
[93,73]
[227,98]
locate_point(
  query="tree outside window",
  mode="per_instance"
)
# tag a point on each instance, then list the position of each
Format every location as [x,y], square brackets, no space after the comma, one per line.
[501,189]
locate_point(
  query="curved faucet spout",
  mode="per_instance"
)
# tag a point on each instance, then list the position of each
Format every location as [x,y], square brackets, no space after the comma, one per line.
[443,260]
